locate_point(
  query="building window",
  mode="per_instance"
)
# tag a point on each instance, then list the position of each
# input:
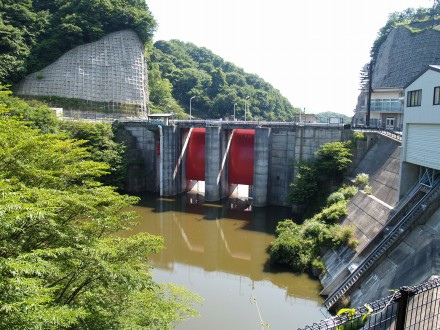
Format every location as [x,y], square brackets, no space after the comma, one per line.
[385,105]
[414,98]
[436,95]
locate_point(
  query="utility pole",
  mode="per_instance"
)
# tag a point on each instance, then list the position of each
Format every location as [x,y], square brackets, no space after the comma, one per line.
[370,90]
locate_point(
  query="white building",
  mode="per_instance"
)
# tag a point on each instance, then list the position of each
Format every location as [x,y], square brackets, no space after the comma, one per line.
[420,156]
[386,109]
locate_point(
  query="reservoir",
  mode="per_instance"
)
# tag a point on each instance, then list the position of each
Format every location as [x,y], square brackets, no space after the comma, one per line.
[219,251]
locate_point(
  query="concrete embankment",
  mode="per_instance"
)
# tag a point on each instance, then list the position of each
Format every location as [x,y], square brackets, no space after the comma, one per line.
[367,213]
[413,259]
[415,255]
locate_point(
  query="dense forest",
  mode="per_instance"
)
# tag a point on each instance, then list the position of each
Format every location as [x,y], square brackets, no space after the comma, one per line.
[34,33]
[216,85]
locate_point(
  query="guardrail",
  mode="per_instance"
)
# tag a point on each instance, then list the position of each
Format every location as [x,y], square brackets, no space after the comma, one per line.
[397,135]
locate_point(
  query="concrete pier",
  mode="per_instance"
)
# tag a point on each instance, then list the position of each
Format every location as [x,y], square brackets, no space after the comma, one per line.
[215,169]
[171,171]
[276,146]
[261,166]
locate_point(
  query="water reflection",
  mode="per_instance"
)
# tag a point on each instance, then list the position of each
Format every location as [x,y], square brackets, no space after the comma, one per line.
[219,251]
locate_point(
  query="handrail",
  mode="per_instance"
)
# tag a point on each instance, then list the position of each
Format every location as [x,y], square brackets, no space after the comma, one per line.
[390,133]
[383,247]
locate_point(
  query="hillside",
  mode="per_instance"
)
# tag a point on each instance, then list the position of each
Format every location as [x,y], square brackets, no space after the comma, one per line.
[40,40]
[407,44]
[34,33]
[215,84]
[323,117]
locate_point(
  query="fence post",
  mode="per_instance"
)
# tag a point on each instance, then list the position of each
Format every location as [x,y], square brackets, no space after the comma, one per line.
[405,292]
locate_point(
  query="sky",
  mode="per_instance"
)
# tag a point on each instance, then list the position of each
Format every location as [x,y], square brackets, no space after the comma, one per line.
[311,51]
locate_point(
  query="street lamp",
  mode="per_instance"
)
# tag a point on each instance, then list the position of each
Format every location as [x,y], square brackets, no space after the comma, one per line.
[245,107]
[190,116]
[234,110]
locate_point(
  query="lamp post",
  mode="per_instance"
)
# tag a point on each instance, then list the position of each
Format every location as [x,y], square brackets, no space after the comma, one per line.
[190,116]
[245,107]
[234,110]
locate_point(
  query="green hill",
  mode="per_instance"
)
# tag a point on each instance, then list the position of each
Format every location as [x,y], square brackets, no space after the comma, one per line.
[189,71]
[34,33]
[323,117]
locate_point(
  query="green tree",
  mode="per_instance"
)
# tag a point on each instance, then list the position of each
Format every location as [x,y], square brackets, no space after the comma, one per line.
[316,177]
[334,158]
[299,246]
[99,139]
[35,113]
[304,188]
[61,264]
[34,33]
[195,71]
[20,27]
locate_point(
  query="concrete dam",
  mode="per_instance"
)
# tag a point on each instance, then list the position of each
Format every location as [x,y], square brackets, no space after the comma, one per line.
[398,240]
[223,155]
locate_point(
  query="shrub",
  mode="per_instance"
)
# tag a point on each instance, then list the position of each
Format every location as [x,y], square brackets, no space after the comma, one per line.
[333,213]
[359,136]
[305,187]
[289,248]
[319,266]
[368,190]
[298,246]
[362,178]
[335,197]
[343,235]
[348,191]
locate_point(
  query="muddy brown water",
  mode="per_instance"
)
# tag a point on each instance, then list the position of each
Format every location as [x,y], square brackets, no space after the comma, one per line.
[219,251]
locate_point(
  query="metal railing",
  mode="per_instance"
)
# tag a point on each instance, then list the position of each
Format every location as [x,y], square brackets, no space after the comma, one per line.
[415,307]
[394,134]
[393,237]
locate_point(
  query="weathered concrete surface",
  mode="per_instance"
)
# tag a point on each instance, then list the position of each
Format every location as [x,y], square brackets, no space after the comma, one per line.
[382,163]
[415,260]
[111,70]
[288,145]
[368,214]
[261,166]
[404,54]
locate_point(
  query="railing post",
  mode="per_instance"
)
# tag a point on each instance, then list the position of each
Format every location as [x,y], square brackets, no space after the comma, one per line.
[405,292]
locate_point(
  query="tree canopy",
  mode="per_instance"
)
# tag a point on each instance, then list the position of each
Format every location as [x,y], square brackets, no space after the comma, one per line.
[34,33]
[314,177]
[61,264]
[216,85]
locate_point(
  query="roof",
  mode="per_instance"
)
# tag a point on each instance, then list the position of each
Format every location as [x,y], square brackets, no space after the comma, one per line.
[433,67]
